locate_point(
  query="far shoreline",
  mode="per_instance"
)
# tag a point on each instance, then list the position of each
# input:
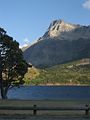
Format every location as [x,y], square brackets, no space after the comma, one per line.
[59,85]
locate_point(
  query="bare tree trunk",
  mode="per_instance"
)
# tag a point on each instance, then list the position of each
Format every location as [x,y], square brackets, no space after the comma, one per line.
[3,93]
[3,89]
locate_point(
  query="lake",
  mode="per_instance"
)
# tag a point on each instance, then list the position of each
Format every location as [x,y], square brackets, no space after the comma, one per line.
[50,93]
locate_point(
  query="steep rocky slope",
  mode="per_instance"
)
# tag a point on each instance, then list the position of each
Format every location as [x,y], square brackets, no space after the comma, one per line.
[61,43]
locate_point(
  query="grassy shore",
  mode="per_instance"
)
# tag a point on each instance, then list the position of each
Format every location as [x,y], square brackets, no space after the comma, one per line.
[42,117]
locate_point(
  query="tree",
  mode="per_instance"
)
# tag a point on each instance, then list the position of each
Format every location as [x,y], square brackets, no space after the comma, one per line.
[12,65]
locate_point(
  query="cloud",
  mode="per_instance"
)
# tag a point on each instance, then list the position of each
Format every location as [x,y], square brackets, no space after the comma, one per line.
[86,4]
[26,43]
[26,40]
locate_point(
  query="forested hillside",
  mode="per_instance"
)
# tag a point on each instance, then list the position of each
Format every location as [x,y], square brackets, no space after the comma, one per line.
[72,73]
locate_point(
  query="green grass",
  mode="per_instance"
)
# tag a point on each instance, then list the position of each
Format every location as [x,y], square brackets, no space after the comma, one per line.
[41,103]
[73,73]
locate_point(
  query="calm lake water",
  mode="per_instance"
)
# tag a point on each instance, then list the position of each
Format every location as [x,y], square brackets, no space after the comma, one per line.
[50,93]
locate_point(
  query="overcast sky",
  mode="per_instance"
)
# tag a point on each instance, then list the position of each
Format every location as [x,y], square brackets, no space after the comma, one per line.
[27,20]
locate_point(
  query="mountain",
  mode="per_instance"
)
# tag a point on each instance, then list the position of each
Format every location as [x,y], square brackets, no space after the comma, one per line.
[62,42]
[58,29]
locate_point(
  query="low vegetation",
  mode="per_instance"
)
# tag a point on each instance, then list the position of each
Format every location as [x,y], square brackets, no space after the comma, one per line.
[73,73]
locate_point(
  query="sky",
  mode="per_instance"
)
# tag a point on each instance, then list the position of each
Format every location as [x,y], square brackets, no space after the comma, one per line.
[27,20]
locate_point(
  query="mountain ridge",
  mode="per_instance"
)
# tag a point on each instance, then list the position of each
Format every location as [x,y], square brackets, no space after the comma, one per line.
[58,27]
[62,42]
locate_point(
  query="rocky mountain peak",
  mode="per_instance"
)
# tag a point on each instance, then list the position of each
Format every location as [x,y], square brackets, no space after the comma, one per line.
[55,23]
[62,42]
[59,26]
[61,30]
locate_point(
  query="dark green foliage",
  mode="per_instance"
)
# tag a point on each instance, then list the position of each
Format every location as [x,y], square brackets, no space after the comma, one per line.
[12,65]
